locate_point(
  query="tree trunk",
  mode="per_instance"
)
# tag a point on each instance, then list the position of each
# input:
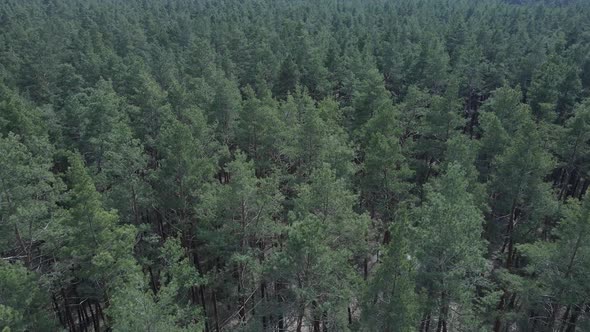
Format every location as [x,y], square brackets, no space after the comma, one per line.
[564,184]
[95,320]
[281,318]
[425,324]
[153,282]
[81,319]
[564,318]
[135,206]
[23,246]
[215,314]
[57,310]
[201,289]
[241,299]
[532,316]
[551,320]
[510,236]
[439,325]
[316,317]
[299,322]
[442,323]
[349,316]
[571,325]
[68,313]
[263,301]
[499,308]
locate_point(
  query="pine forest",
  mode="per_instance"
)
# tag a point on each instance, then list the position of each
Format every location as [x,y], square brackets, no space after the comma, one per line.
[295,165]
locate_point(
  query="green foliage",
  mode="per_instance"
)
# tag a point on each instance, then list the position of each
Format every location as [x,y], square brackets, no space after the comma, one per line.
[560,268]
[23,304]
[450,247]
[391,302]
[93,248]
[325,239]
[371,97]
[385,183]
[135,308]
[285,165]
[18,116]
[28,197]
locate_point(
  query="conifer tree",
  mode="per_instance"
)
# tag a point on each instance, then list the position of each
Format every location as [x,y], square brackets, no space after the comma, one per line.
[450,250]
[391,302]
[560,268]
[320,260]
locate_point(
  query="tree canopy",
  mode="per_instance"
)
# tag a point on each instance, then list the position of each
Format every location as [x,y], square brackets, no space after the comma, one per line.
[294,165]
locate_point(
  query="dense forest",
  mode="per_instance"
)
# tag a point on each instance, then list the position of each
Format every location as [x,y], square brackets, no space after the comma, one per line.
[294,165]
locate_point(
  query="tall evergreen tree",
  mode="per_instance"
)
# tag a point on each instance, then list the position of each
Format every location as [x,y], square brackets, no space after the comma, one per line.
[450,250]
[326,243]
[560,270]
[391,302]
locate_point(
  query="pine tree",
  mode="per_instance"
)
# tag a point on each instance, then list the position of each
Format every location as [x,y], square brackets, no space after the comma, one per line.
[224,107]
[18,116]
[325,245]
[287,80]
[29,193]
[24,304]
[188,156]
[319,137]
[391,302]
[240,227]
[93,251]
[169,309]
[450,249]
[114,156]
[559,268]
[261,131]
[370,97]
[521,201]
[385,175]
[441,122]
[573,152]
